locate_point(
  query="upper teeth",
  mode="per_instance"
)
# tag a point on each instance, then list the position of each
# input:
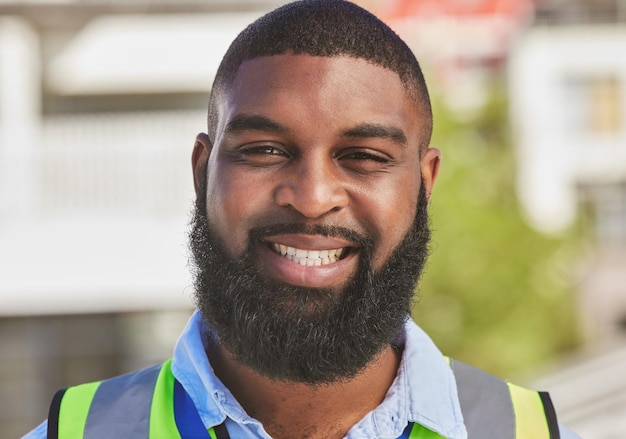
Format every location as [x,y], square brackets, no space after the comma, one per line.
[308,257]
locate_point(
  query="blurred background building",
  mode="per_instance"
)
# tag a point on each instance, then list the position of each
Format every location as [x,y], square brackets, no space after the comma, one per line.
[100,102]
[567,82]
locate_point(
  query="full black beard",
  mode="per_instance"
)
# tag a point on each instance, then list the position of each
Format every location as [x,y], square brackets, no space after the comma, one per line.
[305,335]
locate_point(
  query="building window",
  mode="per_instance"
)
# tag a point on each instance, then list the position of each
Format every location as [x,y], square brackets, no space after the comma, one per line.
[594,105]
[606,204]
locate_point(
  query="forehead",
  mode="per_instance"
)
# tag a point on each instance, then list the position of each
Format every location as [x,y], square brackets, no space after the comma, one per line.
[320,88]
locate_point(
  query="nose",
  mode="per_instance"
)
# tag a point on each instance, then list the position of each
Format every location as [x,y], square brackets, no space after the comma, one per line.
[313,188]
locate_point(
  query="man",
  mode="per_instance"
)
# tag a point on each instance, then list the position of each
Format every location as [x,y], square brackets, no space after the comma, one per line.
[309,234]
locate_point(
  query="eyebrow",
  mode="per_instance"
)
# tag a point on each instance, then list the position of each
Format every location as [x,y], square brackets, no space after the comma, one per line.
[377,131]
[253,122]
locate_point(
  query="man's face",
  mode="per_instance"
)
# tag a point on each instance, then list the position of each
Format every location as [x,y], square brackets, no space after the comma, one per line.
[313,180]
[317,140]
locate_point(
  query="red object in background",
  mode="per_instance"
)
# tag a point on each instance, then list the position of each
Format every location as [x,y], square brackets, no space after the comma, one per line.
[456,8]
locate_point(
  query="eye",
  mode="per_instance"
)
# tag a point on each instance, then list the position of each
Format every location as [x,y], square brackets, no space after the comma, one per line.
[365,156]
[263,149]
[262,154]
[364,160]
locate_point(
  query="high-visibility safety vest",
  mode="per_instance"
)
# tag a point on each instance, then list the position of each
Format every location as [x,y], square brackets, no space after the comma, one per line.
[152,404]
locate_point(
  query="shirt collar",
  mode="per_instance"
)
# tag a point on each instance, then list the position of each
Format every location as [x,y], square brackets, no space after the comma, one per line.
[213,401]
[424,390]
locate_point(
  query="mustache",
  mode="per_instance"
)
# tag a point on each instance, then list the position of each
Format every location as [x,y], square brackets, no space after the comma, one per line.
[361,240]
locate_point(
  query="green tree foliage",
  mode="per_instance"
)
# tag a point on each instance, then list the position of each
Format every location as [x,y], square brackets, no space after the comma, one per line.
[496,293]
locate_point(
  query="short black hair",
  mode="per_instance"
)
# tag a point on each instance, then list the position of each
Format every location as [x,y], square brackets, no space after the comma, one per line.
[326,28]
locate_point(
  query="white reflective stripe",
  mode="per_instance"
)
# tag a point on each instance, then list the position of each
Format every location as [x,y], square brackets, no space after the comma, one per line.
[485,403]
[121,406]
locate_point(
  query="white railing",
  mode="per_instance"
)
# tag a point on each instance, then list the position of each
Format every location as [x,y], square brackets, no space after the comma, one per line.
[133,163]
[104,226]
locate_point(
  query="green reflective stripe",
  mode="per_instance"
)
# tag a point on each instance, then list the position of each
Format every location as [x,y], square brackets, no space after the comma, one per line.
[420,432]
[530,416]
[212,433]
[162,420]
[74,410]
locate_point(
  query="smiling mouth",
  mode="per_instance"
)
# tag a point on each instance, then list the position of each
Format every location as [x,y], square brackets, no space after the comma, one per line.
[309,258]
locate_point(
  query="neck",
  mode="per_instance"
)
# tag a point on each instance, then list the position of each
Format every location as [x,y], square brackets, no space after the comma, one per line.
[288,409]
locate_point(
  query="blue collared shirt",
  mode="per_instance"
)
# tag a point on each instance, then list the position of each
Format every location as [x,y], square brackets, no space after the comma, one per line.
[424,391]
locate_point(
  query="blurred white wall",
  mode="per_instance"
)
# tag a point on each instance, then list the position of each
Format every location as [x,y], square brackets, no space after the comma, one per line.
[94,203]
[568,103]
[99,109]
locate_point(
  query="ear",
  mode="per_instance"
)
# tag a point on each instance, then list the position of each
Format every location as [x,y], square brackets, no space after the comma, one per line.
[199,157]
[429,166]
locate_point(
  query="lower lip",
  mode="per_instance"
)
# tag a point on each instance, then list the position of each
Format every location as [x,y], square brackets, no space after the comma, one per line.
[320,276]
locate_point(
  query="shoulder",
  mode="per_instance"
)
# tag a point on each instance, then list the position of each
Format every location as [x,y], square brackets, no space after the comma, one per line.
[483,396]
[566,433]
[120,398]
[41,432]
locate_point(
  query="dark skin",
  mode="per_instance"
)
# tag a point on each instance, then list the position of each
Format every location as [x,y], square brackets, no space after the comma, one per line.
[337,144]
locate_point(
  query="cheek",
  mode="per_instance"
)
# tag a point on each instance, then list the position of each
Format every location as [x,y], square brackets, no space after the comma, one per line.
[230,204]
[393,213]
